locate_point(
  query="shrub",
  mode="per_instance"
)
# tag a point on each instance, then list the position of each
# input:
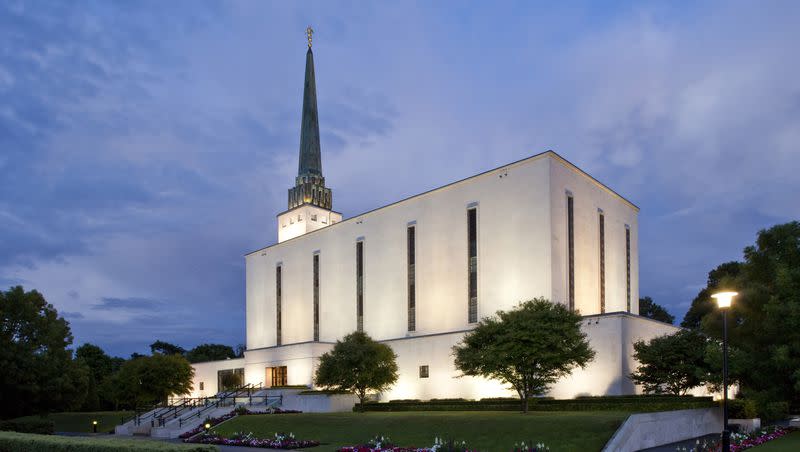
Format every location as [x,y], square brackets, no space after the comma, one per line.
[742,409]
[26,442]
[41,426]
[632,403]
[773,411]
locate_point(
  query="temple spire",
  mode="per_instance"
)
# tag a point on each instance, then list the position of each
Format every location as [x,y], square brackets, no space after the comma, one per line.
[310,159]
[310,185]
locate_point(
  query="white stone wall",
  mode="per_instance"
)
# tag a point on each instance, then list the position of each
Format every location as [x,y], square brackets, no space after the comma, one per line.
[207,373]
[589,196]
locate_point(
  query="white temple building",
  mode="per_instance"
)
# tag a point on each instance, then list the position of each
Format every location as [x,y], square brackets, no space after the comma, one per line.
[419,273]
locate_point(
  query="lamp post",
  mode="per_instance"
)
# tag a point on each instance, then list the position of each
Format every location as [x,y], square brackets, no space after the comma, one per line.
[94,426]
[724,300]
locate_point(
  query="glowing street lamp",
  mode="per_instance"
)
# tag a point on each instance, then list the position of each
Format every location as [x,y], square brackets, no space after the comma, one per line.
[94,426]
[724,300]
[207,426]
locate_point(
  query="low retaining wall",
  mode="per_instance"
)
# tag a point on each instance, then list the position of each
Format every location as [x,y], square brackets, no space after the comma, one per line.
[645,430]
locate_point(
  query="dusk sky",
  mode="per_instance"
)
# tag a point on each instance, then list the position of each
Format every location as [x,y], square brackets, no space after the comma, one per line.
[145,147]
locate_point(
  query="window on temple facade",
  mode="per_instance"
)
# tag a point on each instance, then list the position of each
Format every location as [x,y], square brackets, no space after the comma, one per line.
[628,267]
[423,372]
[602,263]
[472,266]
[570,252]
[278,293]
[360,285]
[316,296]
[412,283]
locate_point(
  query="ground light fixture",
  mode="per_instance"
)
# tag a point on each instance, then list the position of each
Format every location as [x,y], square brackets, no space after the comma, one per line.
[207,426]
[94,426]
[724,300]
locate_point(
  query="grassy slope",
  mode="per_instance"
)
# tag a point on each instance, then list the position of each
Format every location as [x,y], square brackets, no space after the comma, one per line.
[789,443]
[82,422]
[486,431]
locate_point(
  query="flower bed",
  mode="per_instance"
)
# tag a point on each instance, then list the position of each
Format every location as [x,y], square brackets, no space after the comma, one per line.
[279,441]
[739,442]
[384,444]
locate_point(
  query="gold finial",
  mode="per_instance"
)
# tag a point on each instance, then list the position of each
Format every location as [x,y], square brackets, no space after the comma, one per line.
[309,32]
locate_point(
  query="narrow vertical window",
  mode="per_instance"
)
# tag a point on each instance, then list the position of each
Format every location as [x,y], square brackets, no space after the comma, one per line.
[628,267]
[472,240]
[412,283]
[360,286]
[316,297]
[278,304]
[570,253]
[602,263]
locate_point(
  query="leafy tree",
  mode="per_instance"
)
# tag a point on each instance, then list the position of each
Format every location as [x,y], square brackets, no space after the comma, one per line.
[165,348]
[671,364]
[530,347]
[210,352]
[703,304]
[101,367]
[764,320]
[38,373]
[358,364]
[650,309]
[152,379]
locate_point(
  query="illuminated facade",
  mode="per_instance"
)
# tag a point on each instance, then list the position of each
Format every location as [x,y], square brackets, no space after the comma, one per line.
[419,273]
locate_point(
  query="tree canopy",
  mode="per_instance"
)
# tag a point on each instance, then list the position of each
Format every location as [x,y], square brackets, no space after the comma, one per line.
[152,379]
[210,352]
[165,348]
[764,320]
[529,348]
[38,373]
[358,364]
[650,309]
[671,364]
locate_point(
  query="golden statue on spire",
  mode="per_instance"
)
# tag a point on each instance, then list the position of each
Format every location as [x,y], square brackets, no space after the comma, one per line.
[309,32]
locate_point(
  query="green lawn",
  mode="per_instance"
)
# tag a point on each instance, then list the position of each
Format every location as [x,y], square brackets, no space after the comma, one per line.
[485,431]
[789,443]
[82,422]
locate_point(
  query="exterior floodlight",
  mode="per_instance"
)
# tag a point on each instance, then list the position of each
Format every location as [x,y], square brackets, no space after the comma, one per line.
[724,299]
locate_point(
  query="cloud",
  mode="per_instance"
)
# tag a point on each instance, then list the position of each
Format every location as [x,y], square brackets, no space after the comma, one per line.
[108,303]
[71,315]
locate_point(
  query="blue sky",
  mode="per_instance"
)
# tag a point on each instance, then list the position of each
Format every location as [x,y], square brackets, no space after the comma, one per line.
[146,146]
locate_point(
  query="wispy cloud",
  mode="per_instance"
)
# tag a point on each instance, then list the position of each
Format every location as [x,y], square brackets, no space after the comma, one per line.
[126,303]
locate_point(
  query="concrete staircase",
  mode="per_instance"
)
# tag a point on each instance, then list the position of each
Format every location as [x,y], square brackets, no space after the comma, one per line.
[180,416]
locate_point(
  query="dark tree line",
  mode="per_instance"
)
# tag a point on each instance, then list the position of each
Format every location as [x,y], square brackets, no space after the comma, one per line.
[39,372]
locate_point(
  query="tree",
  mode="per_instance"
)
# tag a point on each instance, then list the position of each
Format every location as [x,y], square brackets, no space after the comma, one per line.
[650,309]
[358,364]
[529,348]
[703,304]
[101,367]
[764,320]
[152,379]
[672,363]
[38,374]
[210,352]
[165,348]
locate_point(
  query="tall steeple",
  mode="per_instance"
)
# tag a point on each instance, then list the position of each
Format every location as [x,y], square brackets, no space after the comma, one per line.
[310,185]
[310,160]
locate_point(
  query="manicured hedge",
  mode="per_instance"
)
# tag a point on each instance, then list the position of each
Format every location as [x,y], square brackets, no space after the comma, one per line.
[41,426]
[612,403]
[26,442]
